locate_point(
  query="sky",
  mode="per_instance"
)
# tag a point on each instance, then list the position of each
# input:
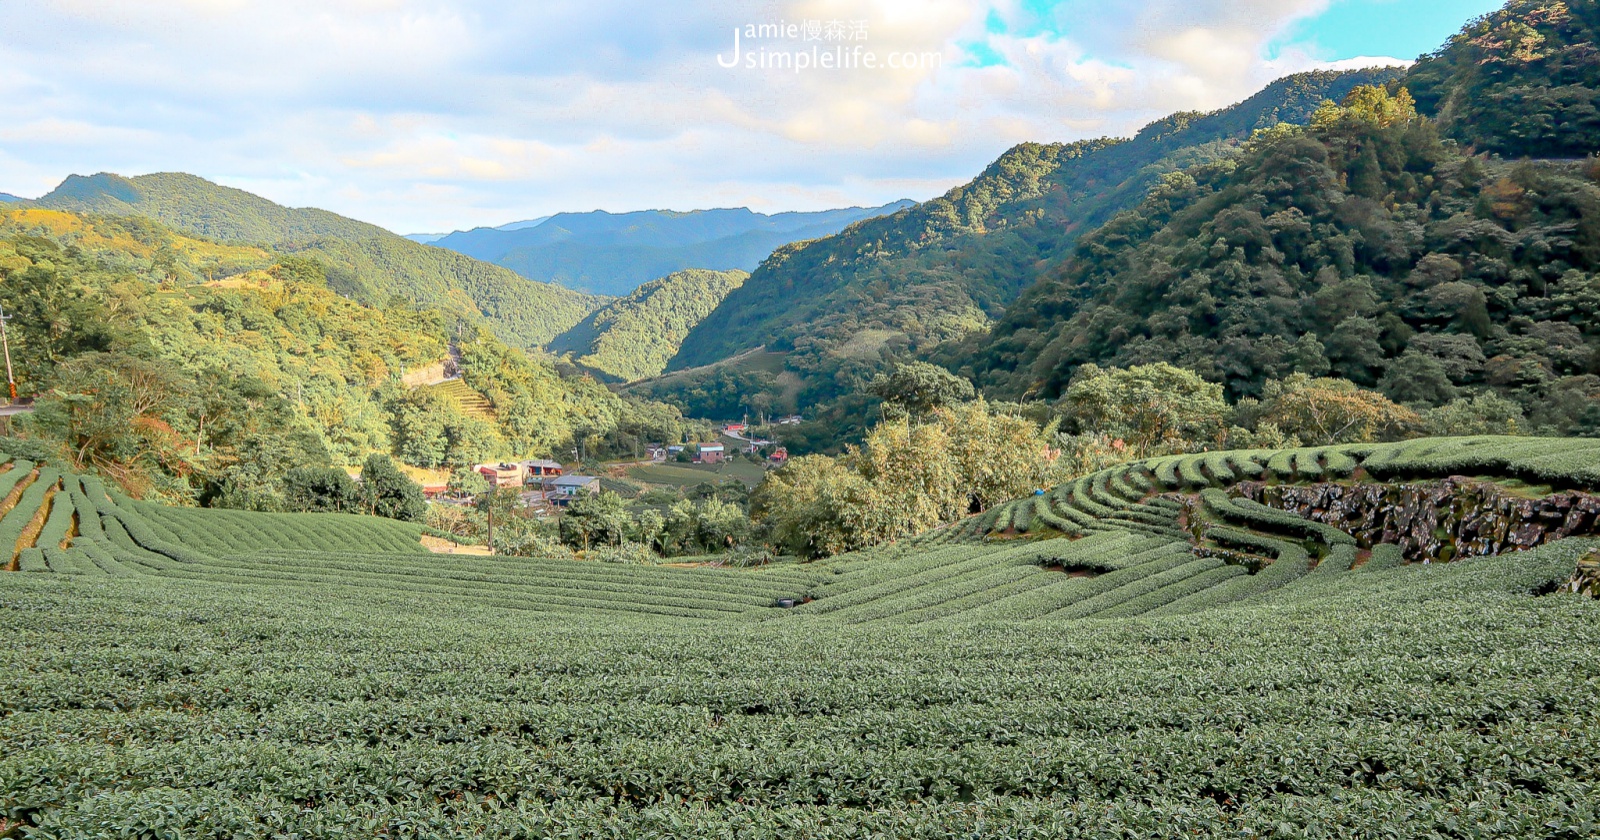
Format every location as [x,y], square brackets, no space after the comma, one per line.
[425,115]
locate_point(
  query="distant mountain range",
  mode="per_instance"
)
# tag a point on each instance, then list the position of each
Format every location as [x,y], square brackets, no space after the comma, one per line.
[364,262]
[8,197]
[431,238]
[614,253]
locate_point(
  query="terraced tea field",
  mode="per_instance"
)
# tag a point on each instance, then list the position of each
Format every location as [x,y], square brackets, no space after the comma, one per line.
[1143,652]
[472,403]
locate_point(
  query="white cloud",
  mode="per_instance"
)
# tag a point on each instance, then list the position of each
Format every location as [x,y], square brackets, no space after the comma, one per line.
[429,115]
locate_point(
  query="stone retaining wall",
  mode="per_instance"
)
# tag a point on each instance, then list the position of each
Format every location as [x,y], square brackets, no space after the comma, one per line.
[1439,520]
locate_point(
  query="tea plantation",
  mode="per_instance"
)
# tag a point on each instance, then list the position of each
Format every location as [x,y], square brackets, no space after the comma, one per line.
[1145,652]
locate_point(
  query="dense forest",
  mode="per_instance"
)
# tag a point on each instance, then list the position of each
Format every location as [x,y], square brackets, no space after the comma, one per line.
[634,337]
[844,309]
[1368,245]
[1520,82]
[1085,252]
[362,261]
[940,270]
[197,371]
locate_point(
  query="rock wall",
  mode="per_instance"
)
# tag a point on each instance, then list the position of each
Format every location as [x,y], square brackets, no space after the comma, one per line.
[1438,520]
[1586,580]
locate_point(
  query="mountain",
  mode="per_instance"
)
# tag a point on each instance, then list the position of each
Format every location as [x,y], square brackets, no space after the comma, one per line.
[845,304]
[612,253]
[1519,82]
[9,198]
[431,238]
[256,357]
[1366,245]
[633,337]
[525,224]
[364,261]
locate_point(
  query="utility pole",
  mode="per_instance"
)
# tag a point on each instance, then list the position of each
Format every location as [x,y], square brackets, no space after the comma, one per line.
[6,341]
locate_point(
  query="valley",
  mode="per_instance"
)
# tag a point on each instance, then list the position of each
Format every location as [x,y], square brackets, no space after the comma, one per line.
[1238,476]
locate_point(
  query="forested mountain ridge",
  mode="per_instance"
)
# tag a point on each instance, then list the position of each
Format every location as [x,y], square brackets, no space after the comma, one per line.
[634,337]
[1519,82]
[1367,244]
[940,270]
[194,205]
[195,370]
[363,261]
[613,253]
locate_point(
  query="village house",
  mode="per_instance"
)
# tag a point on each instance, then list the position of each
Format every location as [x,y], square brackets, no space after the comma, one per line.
[561,491]
[710,453]
[434,490]
[790,420]
[501,475]
[535,472]
[779,456]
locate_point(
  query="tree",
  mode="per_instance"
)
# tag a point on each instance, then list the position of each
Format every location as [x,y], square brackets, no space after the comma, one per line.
[648,527]
[55,314]
[1484,414]
[595,518]
[1309,356]
[1323,412]
[996,456]
[115,412]
[905,478]
[1372,105]
[918,388]
[321,490]
[1417,378]
[388,492]
[721,525]
[1354,349]
[1460,355]
[914,481]
[466,482]
[1153,408]
[803,506]
[418,420]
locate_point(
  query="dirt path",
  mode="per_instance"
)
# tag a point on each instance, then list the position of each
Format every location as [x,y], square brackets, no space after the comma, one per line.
[438,545]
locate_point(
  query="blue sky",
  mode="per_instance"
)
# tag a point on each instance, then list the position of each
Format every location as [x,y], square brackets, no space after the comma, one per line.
[429,115]
[1344,29]
[1403,28]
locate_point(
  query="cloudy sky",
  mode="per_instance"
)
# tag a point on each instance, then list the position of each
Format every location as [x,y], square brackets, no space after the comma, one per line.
[425,115]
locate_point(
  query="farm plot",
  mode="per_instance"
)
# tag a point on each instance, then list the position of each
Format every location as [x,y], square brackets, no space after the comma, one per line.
[1384,705]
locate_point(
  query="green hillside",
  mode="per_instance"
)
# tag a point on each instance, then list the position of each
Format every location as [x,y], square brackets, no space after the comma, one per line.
[1195,664]
[1363,245]
[1369,244]
[634,337]
[941,269]
[1520,82]
[193,370]
[367,262]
